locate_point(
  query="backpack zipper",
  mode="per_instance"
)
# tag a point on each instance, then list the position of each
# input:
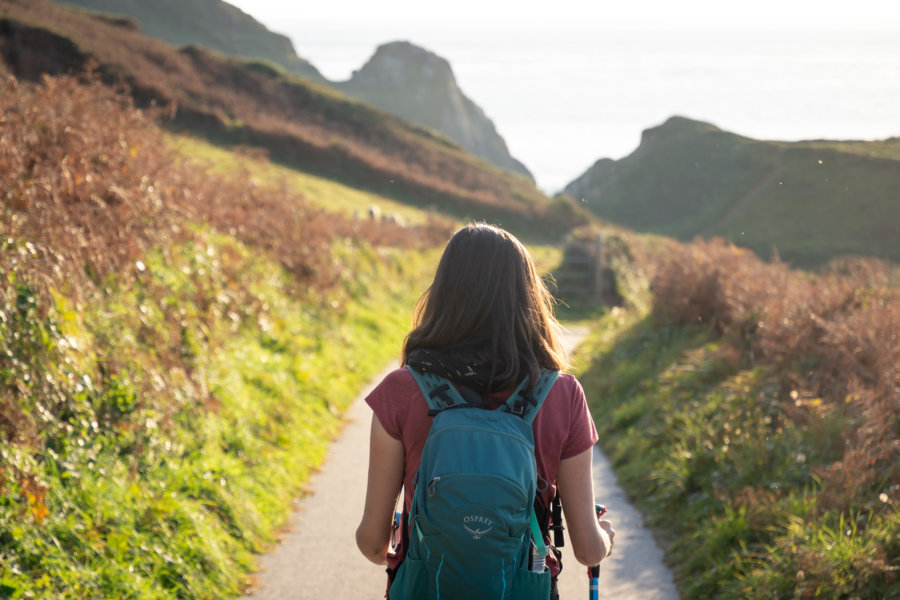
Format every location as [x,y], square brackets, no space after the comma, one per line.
[431,488]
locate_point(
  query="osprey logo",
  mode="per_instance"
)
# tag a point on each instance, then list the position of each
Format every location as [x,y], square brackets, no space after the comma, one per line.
[477,525]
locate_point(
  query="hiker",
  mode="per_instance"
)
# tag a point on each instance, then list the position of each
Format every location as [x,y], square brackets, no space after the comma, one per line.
[486,324]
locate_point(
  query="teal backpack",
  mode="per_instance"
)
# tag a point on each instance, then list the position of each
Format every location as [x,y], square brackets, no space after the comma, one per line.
[473,532]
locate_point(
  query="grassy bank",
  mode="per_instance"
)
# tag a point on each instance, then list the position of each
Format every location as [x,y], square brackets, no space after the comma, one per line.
[149,476]
[301,124]
[762,451]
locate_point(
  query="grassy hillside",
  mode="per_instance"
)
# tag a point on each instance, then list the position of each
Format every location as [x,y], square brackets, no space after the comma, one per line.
[809,200]
[394,80]
[297,122]
[176,348]
[212,24]
[318,191]
[754,415]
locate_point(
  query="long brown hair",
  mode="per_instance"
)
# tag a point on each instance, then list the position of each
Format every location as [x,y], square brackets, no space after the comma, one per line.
[488,303]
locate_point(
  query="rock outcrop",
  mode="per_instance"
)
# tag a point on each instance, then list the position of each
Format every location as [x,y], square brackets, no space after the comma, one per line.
[419,86]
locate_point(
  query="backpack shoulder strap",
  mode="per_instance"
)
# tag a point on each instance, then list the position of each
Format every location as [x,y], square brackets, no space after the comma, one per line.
[441,394]
[438,391]
[527,405]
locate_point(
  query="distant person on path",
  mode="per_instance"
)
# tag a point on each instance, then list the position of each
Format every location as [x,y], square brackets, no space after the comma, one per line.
[485,323]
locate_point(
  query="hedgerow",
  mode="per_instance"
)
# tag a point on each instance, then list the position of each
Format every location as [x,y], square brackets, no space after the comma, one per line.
[754,414]
[176,348]
[833,337]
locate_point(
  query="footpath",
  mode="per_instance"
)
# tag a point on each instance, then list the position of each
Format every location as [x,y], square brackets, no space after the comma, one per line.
[317,557]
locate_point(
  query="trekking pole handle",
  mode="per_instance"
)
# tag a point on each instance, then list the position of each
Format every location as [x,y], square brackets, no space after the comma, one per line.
[594,572]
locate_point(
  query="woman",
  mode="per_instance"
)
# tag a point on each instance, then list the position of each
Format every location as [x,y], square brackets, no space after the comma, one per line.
[486,322]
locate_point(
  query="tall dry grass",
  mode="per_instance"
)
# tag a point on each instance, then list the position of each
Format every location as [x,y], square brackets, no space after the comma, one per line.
[89,183]
[90,187]
[833,337]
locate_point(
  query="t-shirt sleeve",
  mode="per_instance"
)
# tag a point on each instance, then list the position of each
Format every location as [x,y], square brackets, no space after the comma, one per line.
[389,401]
[582,431]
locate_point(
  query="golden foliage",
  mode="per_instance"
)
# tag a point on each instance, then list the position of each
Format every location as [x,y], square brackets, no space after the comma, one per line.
[835,335]
[89,182]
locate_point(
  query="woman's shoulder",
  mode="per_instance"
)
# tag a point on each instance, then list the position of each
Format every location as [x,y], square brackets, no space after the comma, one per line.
[392,399]
[567,384]
[399,381]
[566,395]
[398,377]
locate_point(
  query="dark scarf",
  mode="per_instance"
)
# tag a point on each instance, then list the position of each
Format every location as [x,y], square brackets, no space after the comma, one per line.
[458,367]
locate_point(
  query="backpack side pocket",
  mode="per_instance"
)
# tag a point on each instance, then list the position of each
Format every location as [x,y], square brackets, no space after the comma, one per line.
[411,582]
[528,585]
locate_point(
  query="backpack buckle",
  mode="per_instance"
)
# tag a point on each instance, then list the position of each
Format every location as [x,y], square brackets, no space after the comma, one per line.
[519,405]
[441,392]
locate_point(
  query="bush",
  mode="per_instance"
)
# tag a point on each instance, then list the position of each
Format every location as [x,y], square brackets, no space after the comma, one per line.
[761,406]
[169,350]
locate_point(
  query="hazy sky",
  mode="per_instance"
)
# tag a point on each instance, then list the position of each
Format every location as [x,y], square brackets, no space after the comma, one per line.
[569,81]
[721,12]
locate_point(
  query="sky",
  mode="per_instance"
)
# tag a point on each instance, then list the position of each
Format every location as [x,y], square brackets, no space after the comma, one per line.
[567,82]
[720,12]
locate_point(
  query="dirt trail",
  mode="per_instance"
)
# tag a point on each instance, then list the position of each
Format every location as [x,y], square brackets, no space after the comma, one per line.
[318,559]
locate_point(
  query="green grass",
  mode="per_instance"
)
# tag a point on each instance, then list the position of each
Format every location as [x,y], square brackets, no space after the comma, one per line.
[827,202]
[681,180]
[219,27]
[181,417]
[319,191]
[715,456]
[889,148]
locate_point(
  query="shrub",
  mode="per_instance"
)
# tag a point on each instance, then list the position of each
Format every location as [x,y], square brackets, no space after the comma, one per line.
[166,336]
[825,351]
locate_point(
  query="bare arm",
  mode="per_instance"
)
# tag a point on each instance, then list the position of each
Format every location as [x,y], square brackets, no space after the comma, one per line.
[385,480]
[591,541]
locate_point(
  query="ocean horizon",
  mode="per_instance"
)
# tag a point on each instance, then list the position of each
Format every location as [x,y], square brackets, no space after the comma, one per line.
[563,98]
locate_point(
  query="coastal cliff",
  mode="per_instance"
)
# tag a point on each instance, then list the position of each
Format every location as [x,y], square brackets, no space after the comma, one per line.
[420,87]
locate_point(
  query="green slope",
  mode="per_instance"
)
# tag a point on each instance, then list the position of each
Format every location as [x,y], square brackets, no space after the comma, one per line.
[824,203]
[212,24]
[809,200]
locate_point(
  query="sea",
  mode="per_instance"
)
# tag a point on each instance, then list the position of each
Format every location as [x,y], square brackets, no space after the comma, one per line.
[564,96]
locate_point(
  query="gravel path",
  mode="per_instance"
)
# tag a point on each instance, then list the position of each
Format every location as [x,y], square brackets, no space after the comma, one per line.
[317,557]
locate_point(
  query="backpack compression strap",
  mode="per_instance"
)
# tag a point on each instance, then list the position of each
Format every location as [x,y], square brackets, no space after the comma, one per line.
[438,391]
[527,405]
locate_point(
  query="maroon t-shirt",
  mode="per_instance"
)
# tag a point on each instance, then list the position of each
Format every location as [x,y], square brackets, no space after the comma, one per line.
[563,428]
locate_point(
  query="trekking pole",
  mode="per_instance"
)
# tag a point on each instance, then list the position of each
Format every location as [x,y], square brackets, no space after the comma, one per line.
[594,572]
